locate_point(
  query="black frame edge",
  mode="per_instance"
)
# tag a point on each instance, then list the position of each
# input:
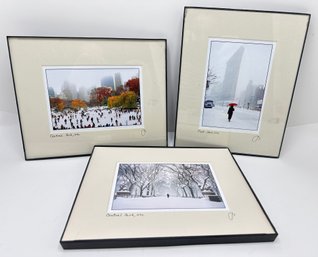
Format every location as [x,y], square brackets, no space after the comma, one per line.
[245,10]
[77,193]
[294,86]
[258,201]
[77,38]
[166,241]
[178,90]
[16,96]
[166,77]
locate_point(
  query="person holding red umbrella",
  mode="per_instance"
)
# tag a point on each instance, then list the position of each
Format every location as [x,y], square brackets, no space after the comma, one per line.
[230,111]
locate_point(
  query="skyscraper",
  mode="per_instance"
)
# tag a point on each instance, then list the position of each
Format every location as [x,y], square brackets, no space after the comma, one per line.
[231,75]
[108,81]
[117,80]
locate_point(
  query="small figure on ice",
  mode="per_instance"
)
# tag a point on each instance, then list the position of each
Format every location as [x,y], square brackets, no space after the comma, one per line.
[168,195]
[230,111]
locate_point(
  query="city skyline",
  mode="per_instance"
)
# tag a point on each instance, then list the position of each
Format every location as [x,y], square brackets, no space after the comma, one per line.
[86,78]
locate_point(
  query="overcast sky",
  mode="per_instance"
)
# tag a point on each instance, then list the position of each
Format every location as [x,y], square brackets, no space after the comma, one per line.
[84,77]
[254,65]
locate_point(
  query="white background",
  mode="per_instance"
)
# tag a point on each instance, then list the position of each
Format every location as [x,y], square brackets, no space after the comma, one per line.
[36,196]
[145,19]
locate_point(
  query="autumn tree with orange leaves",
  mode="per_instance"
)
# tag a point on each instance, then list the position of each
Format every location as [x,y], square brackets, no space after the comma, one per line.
[78,104]
[57,103]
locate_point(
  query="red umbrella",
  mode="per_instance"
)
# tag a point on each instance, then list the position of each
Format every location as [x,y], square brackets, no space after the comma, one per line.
[232,104]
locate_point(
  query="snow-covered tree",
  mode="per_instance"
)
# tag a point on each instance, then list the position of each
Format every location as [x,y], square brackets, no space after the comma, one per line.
[179,180]
[185,175]
[211,78]
[139,178]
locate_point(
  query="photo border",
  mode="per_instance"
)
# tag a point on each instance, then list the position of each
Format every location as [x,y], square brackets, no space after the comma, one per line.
[40,146]
[111,200]
[256,132]
[233,23]
[88,130]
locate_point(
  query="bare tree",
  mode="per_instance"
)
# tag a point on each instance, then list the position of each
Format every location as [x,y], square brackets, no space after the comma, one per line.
[185,175]
[211,78]
[127,173]
[146,174]
[209,182]
[138,177]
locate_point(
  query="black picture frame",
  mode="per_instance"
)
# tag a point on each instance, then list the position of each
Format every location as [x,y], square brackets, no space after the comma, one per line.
[39,144]
[204,24]
[77,236]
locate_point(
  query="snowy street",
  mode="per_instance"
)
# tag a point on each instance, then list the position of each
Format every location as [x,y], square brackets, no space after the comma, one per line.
[242,119]
[149,203]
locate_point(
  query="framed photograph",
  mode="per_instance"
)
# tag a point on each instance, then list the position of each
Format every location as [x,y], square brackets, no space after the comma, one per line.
[74,93]
[238,71]
[148,196]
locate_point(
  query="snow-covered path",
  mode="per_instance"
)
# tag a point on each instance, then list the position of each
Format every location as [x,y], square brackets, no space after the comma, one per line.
[242,119]
[149,203]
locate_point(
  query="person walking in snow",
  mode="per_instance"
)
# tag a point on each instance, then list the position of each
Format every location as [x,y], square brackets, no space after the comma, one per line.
[230,112]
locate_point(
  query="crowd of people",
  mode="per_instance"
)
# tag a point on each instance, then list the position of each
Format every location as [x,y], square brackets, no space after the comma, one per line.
[95,117]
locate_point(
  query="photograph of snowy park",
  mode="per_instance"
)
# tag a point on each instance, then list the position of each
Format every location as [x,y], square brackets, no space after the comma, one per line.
[165,186]
[86,98]
[236,82]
